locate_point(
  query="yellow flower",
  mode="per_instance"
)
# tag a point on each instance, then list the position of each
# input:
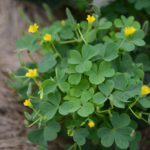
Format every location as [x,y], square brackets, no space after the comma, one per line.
[27,102]
[63,22]
[145,90]
[47,37]
[70,132]
[91,124]
[33,28]
[129,31]
[90,19]
[31,73]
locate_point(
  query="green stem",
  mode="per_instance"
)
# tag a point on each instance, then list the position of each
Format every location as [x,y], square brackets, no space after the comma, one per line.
[33,123]
[105,121]
[82,36]
[134,113]
[80,148]
[121,43]
[70,41]
[32,59]
[89,27]
[56,50]
[36,82]
[145,113]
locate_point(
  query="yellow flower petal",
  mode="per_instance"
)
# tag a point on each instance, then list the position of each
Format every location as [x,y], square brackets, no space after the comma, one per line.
[63,22]
[145,90]
[33,28]
[31,73]
[47,37]
[91,124]
[90,19]
[129,31]
[70,132]
[27,103]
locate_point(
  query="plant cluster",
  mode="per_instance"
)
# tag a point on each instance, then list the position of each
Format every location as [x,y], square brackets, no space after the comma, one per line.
[87,86]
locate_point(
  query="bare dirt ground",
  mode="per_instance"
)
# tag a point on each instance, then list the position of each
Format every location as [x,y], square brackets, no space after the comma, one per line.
[12,129]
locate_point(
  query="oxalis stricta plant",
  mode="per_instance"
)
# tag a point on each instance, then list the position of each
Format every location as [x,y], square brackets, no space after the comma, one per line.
[87,86]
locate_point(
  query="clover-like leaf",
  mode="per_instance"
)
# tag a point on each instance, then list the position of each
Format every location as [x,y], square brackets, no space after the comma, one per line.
[106,87]
[83,63]
[99,98]
[47,63]
[80,136]
[69,107]
[86,109]
[87,95]
[74,78]
[48,86]
[111,52]
[120,133]
[28,42]
[103,25]
[36,136]
[51,130]
[145,102]
[99,72]
[48,110]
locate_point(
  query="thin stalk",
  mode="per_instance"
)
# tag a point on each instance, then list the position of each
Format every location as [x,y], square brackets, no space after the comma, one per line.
[33,123]
[70,41]
[89,27]
[121,43]
[82,36]
[32,59]
[56,50]
[80,148]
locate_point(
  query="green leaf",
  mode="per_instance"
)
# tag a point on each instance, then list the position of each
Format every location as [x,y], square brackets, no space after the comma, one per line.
[106,87]
[70,17]
[50,132]
[36,136]
[66,34]
[80,136]
[98,72]
[111,52]
[86,109]
[48,86]
[47,63]
[48,110]
[99,98]
[88,51]
[92,35]
[75,57]
[103,25]
[107,136]
[69,107]
[28,42]
[122,137]
[84,66]
[118,23]
[120,121]
[121,81]
[64,86]
[120,133]
[145,102]
[87,95]
[134,144]
[54,98]
[74,78]
[106,69]
[128,46]
[83,63]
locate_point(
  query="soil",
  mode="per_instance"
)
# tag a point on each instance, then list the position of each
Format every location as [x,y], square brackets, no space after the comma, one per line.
[12,129]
